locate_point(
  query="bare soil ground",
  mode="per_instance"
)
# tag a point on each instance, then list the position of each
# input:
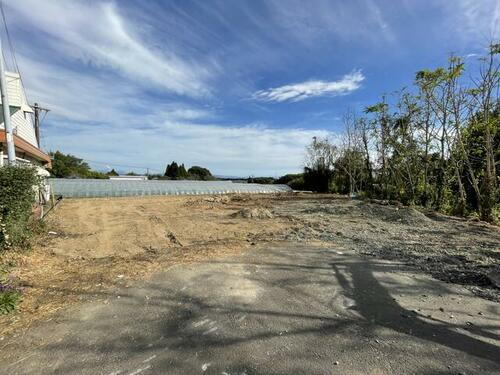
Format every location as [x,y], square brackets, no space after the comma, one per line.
[98,244]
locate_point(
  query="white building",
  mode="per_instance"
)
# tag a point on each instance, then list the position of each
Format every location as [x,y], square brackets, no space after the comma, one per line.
[129,178]
[25,138]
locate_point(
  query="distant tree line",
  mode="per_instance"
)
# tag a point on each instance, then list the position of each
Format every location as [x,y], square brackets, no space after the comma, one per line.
[175,171]
[436,145]
[294,180]
[70,166]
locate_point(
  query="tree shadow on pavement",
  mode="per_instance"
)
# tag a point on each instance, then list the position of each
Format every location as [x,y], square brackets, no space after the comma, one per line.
[376,305]
[294,313]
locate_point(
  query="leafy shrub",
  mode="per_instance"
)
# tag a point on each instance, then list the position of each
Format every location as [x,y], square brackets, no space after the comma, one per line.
[297,183]
[286,179]
[260,180]
[318,179]
[18,186]
[9,297]
[294,180]
[9,294]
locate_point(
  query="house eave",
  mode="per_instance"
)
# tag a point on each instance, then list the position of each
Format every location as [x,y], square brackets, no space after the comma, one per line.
[27,148]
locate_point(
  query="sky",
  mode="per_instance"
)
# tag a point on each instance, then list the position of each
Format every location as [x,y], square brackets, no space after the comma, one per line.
[237,86]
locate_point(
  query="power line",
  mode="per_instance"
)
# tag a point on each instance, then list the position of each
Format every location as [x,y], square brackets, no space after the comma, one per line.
[12,50]
[9,40]
[120,165]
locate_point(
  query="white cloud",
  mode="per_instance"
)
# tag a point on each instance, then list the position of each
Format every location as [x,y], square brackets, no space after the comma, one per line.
[474,22]
[99,73]
[234,150]
[113,123]
[478,19]
[300,91]
[97,34]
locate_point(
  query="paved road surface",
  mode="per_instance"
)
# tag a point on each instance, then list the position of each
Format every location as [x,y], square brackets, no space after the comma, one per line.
[280,309]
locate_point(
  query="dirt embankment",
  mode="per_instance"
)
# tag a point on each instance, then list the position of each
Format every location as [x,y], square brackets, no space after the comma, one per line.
[96,244]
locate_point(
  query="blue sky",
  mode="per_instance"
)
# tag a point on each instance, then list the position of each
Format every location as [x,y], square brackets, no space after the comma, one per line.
[238,86]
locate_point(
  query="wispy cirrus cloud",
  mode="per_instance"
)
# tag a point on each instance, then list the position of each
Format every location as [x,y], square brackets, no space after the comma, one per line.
[477,19]
[118,127]
[308,89]
[96,34]
[470,22]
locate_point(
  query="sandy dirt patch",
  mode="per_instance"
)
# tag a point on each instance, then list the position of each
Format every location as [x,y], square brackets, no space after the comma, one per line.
[95,244]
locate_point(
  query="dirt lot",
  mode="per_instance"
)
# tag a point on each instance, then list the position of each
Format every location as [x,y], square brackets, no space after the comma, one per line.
[97,244]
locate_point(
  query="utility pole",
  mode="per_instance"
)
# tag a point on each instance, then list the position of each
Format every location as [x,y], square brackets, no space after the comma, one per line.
[37,109]
[11,151]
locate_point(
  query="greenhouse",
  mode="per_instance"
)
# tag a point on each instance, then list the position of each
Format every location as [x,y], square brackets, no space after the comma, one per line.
[81,188]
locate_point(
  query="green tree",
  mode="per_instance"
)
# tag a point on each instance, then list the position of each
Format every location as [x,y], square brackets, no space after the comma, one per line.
[176,172]
[318,171]
[183,174]
[172,170]
[70,166]
[199,173]
[437,146]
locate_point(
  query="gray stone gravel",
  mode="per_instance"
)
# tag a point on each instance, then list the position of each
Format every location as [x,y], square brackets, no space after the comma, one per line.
[450,249]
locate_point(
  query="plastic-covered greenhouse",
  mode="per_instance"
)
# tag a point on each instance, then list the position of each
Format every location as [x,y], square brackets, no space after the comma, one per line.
[79,188]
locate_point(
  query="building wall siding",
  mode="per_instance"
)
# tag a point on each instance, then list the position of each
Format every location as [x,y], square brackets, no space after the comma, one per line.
[24,127]
[14,89]
[22,122]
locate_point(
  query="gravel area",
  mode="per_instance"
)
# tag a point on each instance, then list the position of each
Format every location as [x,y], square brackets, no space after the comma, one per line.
[451,249]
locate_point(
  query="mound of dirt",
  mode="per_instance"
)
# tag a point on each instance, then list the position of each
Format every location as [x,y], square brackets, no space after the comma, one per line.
[408,216]
[254,213]
[217,199]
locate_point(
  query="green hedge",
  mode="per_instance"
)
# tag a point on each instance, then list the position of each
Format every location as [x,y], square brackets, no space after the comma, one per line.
[17,195]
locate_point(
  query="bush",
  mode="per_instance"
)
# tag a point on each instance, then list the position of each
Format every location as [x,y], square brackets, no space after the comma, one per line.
[9,296]
[286,179]
[318,179]
[294,180]
[18,186]
[260,180]
[297,183]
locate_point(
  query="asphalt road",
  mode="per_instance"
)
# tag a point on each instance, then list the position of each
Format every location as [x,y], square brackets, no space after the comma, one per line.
[279,309]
